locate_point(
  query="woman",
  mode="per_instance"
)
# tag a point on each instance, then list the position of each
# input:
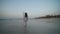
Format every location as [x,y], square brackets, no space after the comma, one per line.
[25,17]
[25,22]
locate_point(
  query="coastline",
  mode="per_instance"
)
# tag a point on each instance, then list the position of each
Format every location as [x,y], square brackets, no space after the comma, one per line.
[48,16]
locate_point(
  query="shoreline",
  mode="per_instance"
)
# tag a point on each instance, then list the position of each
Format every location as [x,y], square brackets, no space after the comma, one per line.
[48,16]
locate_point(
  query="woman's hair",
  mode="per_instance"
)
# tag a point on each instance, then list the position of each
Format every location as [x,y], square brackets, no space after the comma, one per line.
[26,15]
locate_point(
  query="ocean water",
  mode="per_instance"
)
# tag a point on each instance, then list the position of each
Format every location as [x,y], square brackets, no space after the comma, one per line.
[34,26]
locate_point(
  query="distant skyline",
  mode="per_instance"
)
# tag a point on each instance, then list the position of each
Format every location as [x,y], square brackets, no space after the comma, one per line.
[34,8]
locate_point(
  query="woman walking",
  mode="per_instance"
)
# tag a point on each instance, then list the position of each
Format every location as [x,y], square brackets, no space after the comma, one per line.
[25,22]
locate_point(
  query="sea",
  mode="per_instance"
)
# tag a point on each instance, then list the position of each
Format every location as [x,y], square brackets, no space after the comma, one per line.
[34,26]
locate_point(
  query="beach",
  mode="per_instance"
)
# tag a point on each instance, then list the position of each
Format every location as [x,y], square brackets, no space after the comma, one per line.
[34,26]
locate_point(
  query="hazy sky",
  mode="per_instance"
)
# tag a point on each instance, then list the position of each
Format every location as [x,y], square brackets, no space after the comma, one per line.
[34,8]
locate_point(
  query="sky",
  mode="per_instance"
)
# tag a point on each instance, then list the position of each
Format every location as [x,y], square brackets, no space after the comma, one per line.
[34,8]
